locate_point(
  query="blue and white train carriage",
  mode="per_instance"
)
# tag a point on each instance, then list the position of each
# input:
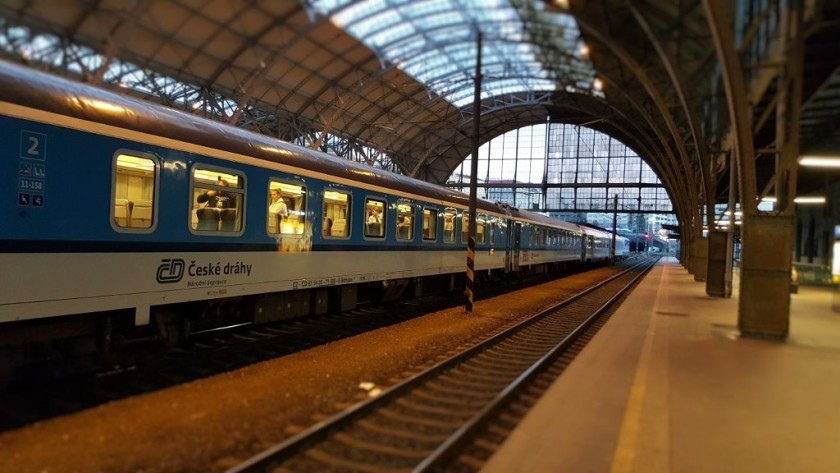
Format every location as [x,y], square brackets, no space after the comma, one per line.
[120,215]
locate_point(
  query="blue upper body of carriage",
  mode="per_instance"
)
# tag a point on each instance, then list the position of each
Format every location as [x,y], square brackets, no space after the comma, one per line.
[59,140]
[58,198]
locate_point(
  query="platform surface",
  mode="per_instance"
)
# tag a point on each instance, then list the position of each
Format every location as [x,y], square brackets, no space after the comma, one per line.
[668,385]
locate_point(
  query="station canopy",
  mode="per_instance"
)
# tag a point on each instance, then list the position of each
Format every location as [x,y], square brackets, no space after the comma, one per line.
[393,79]
[436,43]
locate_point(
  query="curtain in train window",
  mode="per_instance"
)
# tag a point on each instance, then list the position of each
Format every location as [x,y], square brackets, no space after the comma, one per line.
[336,222]
[218,198]
[286,208]
[134,192]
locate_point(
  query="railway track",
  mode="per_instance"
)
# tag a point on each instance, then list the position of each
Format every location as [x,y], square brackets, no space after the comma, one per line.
[424,423]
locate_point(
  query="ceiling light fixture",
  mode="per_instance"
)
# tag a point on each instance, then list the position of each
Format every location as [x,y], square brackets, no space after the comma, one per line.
[820,161]
[805,199]
[811,199]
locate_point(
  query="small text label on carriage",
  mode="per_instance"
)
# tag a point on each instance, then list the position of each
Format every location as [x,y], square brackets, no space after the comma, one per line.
[218,268]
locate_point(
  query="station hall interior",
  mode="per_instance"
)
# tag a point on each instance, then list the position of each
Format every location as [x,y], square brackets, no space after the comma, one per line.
[695,120]
[695,115]
[704,131]
[707,131]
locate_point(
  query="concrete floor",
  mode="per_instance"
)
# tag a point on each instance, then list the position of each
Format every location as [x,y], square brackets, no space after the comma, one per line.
[669,386]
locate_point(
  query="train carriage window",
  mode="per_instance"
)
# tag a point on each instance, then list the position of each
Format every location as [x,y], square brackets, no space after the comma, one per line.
[491,229]
[286,208]
[449,215]
[134,192]
[218,200]
[405,221]
[480,228]
[465,227]
[336,216]
[430,224]
[375,218]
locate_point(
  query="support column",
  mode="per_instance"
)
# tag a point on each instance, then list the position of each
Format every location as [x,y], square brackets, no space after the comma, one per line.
[719,278]
[686,249]
[764,299]
[685,260]
[701,258]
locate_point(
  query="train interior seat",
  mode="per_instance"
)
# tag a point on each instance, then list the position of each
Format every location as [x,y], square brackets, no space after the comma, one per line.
[228,217]
[274,223]
[141,214]
[339,228]
[208,219]
[122,212]
[295,225]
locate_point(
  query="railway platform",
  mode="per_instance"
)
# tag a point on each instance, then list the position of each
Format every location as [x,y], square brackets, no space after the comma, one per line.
[668,385]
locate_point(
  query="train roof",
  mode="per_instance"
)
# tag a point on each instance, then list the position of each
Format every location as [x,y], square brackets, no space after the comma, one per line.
[34,89]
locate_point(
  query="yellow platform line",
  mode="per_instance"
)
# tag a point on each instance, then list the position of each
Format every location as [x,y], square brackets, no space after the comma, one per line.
[625,450]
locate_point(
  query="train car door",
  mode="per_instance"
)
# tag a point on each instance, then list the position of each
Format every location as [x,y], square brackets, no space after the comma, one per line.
[508,225]
[512,249]
[583,238]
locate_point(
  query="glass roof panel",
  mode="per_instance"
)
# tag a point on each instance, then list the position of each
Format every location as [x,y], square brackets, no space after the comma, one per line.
[434,42]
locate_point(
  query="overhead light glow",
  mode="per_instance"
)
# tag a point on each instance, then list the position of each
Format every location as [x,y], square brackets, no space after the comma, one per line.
[820,161]
[805,199]
[813,199]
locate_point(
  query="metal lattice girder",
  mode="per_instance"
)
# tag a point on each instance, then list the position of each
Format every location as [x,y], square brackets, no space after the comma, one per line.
[388,77]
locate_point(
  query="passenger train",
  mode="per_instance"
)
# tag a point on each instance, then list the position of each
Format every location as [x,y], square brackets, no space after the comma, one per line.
[121,217]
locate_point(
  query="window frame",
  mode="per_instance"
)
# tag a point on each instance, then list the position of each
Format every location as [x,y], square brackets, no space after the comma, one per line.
[155,193]
[240,191]
[483,227]
[437,215]
[305,194]
[412,223]
[365,216]
[454,212]
[465,236]
[348,218]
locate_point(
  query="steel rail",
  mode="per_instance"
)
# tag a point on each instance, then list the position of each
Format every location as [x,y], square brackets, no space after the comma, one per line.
[290,448]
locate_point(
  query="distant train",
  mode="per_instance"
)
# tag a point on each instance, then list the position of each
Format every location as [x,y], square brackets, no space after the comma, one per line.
[118,216]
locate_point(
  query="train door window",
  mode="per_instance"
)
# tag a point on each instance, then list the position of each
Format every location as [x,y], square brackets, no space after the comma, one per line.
[405,221]
[465,227]
[480,229]
[375,218]
[449,216]
[286,208]
[218,201]
[430,224]
[133,206]
[336,214]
